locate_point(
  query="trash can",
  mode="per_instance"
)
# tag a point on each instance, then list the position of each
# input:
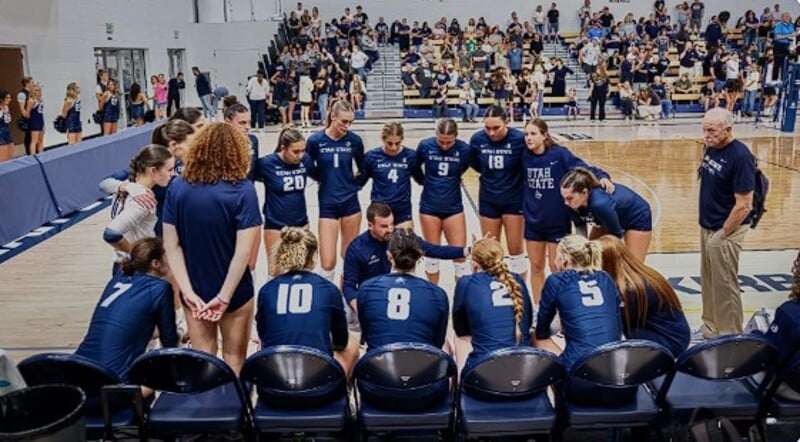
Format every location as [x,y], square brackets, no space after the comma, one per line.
[44,413]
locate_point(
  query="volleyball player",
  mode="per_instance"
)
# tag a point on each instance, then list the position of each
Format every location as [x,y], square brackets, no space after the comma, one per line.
[109,103]
[285,174]
[546,217]
[289,303]
[400,307]
[391,168]
[497,156]
[491,307]
[333,152]
[651,310]
[211,219]
[623,213]
[6,143]
[35,111]
[71,111]
[190,115]
[153,166]
[133,304]
[444,159]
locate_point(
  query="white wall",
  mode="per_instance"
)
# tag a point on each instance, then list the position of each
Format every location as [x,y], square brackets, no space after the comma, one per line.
[59,37]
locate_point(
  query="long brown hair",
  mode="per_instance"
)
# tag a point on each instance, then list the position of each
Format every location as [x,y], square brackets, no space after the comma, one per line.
[795,293]
[632,278]
[219,152]
[580,179]
[544,130]
[488,253]
[143,253]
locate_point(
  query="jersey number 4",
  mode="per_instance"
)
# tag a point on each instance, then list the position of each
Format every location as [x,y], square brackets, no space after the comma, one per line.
[392,175]
[591,296]
[295,298]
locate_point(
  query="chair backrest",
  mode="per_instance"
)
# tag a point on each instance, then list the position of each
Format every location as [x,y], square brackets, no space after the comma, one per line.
[295,376]
[624,364]
[64,368]
[728,357]
[180,370]
[791,375]
[512,373]
[404,376]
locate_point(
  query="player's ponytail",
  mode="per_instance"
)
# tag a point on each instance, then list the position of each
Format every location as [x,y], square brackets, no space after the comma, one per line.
[580,179]
[583,254]
[143,253]
[405,249]
[488,254]
[152,155]
[447,126]
[296,250]
[172,131]
[794,294]
[287,137]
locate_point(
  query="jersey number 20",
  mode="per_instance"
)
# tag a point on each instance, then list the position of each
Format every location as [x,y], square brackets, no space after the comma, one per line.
[290,183]
[591,296]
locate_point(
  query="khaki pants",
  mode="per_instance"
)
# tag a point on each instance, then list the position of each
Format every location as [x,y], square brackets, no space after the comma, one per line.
[719,271]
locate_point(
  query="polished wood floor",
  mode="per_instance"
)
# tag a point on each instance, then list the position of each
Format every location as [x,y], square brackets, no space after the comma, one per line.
[47,293]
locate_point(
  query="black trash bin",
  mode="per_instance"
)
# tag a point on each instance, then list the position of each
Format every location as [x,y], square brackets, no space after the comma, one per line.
[44,413]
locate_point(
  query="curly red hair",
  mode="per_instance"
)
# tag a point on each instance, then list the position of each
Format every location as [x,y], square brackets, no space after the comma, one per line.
[219,152]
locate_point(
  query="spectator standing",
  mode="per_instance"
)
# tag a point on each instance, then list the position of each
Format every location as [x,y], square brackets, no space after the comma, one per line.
[598,93]
[713,34]
[257,92]
[552,24]
[306,96]
[440,102]
[203,88]
[538,20]
[696,11]
[751,86]
[175,86]
[468,102]
[784,34]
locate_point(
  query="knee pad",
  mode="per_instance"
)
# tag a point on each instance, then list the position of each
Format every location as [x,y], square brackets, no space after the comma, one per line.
[518,264]
[461,269]
[330,275]
[431,265]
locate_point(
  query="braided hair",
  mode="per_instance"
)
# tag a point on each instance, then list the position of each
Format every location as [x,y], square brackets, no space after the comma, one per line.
[488,253]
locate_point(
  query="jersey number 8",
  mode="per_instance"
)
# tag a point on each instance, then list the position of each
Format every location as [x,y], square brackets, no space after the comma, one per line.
[295,298]
[398,307]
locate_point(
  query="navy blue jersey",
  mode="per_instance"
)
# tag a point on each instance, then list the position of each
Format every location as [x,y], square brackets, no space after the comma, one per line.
[724,172]
[253,175]
[207,217]
[500,166]
[73,119]
[663,324]
[391,175]
[333,160]
[544,206]
[615,213]
[124,319]
[588,304]
[784,331]
[441,191]
[402,308]
[111,109]
[301,308]
[366,258]
[483,309]
[284,191]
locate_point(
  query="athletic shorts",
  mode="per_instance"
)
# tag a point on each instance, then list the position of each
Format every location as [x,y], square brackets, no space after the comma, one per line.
[341,210]
[441,215]
[491,209]
[270,225]
[532,233]
[401,212]
[5,137]
[641,221]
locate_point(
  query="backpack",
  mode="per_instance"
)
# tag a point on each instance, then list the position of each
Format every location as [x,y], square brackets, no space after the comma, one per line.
[759,197]
[710,429]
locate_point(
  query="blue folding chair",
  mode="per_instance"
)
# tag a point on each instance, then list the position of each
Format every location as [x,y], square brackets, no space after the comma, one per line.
[199,393]
[607,388]
[102,415]
[505,394]
[404,387]
[300,389]
[711,376]
[773,402]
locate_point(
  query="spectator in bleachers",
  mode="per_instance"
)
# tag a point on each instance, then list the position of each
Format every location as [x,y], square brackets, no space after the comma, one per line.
[468,102]
[626,100]
[589,57]
[598,92]
[358,92]
[560,73]
[426,50]
[514,55]
[538,20]
[750,23]
[497,87]
[730,93]
[423,79]
[478,84]
[696,12]
[358,62]
[640,70]
[764,31]
[648,105]
[552,23]
[440,102]
[713,34]
[407,76]
[411,57]
[683,85]
[572,105]
[708,96]
[784,34]
[306,95]
[536,102]
[626,68]
[751,86]
[382,32]
[688,59]
[443,76]
[536,45]
[339,91]
[664,95]
[322,87]
[281,94]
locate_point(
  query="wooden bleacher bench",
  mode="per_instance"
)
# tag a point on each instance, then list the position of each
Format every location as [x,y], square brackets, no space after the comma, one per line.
[685,97]
[482,101]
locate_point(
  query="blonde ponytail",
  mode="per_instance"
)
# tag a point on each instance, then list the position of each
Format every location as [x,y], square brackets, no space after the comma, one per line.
[488,254]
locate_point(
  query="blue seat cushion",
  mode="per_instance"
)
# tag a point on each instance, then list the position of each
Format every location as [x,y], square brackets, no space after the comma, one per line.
[327,418]
[215,410]
[432,418]
[642,410]
[95,425]
[526,416]
[726,398]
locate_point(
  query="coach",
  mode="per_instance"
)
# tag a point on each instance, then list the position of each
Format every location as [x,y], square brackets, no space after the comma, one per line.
[727,181]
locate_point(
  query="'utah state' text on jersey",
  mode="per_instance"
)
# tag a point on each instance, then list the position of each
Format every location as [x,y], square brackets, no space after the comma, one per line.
[402,308]
[483,309]
[284,191]
[301,308]
[391,175]
[441,192]
[588,304]
[544,206]
[124,320]
[499,165]
[333,160]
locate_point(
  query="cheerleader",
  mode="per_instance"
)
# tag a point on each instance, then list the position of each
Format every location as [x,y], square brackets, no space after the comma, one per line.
[71,112]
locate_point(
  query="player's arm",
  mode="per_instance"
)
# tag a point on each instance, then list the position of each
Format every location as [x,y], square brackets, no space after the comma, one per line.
[441,325]
[605,215]
[115,183]
[339,333]
[547,312]
[351,275]
[132,216]
[741,208]
[443,252]
[460,318]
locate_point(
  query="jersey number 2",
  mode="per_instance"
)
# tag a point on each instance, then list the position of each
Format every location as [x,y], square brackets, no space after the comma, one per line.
[500,296]
[121,288]
[398,307]
[591,296]
[295,298]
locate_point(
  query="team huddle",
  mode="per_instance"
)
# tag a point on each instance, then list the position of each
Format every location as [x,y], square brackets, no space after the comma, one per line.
[211,228]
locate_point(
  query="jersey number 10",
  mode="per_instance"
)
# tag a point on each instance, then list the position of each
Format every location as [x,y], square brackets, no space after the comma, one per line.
[295,298]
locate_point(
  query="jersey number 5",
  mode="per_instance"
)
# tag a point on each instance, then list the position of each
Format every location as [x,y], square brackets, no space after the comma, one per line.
[398,307]
[591,296]
[295,298]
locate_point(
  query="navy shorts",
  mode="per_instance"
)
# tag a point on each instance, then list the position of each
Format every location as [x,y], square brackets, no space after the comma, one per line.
[401,212]
[532,233]
[492,209]
[5,137]
[341,210]
[75,128]
[272,225]
[441,215]
[641,221]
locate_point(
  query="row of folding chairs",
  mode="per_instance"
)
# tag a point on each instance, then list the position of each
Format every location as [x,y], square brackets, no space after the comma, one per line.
[406,388]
